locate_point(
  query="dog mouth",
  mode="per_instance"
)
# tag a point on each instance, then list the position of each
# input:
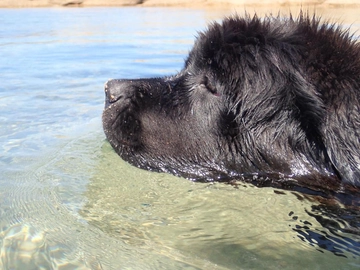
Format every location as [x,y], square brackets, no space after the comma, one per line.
[121,125]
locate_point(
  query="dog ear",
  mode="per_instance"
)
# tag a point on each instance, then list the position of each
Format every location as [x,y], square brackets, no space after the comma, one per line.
[342,138]
[336,130]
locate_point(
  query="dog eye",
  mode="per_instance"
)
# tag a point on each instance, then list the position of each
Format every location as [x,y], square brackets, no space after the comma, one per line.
[208,85]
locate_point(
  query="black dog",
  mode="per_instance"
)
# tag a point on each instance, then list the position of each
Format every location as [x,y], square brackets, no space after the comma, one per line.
[273,101]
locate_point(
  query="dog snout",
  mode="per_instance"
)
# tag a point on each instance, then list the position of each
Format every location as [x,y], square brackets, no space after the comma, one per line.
[113,90]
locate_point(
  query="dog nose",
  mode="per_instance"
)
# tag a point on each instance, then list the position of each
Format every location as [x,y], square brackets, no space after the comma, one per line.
[113,90]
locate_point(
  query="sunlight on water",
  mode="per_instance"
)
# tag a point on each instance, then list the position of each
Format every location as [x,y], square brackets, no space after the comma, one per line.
[67,201]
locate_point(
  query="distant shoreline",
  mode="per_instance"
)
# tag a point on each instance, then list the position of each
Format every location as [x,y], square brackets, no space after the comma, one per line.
[180,3]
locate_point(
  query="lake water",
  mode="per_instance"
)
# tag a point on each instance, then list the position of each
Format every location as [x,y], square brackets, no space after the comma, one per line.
[67,201]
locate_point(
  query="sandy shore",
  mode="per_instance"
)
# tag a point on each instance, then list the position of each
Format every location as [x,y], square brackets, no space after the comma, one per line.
[179,3]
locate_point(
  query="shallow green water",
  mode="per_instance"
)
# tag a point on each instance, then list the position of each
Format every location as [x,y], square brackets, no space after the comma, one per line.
[67,201]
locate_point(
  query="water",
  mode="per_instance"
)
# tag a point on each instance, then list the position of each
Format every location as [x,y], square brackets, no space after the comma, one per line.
[67,201]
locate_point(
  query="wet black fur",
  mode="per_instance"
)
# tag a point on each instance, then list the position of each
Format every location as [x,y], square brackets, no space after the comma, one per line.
[273,101]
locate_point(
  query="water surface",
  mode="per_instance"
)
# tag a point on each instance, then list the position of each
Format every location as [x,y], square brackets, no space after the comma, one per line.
[67,201]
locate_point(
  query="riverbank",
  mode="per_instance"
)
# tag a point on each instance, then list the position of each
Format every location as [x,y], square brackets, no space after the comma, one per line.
[178,3]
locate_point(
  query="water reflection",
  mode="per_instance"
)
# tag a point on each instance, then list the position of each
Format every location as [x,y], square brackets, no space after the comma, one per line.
[235,228]
[340,233]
